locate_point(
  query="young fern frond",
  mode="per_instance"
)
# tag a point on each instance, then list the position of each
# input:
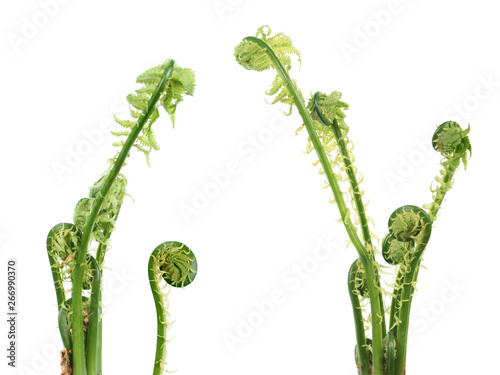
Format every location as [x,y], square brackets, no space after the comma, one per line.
[454,145]
[251,56]
[260,56]
[171,264]
[327,112]
[180,83]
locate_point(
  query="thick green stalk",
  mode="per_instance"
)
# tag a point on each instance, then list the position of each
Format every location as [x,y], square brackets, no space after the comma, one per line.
[378,351]
[406,295]
[404,311]
[79,363]
[93,327]
[65,331]
[358,198]
[100,258]
[161,317]
[447,178]
[364,362]
[56,277]
[101,251]
[391,358]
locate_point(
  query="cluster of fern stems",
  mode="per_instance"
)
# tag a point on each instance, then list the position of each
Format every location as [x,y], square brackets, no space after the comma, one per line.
[76,265]
[409,226]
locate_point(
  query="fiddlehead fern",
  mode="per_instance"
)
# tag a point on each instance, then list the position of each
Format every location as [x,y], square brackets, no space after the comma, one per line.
[62,244]
[181,82]
[95,216]
[394,251]
[454,145]
[327,111]
[252,56]
[413,225]
[171,263]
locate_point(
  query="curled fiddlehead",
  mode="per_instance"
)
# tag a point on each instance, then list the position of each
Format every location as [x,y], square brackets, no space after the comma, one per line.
[62,244]
[251,54]
[408,224]
[454,145]
[394,251]
[171,263]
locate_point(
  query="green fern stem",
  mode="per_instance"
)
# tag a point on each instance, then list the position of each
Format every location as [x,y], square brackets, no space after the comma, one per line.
[449,172]
[161,316]
[391,354]
[65,331]
[93,327]
[395,304]
[101,251]
[364,361]
[79,363]
[378,351]
[56,277]
[415,271]
[365,230]
[358,199]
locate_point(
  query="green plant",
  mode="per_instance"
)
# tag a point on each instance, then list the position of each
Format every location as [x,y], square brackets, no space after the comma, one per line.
[72,261]
[409,226]
[171,263]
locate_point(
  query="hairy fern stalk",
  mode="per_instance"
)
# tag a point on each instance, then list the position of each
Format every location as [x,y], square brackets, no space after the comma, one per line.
[77,270]
[409,227]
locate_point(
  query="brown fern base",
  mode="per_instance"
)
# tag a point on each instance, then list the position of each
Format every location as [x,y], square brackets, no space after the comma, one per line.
[65,365]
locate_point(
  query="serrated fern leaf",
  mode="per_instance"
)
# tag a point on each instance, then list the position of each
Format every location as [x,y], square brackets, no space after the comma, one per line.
[252,56]
[181,82]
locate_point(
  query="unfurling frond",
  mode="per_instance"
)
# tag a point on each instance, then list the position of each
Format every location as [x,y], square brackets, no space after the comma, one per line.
[331,107]
[253,55]
[171,263]
[180,82]
[454,145]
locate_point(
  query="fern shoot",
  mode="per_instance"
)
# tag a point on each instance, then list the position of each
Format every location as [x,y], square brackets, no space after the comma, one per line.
[68,244]
[171,264]
[409,226]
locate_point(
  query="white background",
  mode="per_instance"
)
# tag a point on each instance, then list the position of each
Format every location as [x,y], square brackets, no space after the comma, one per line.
[414,65]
